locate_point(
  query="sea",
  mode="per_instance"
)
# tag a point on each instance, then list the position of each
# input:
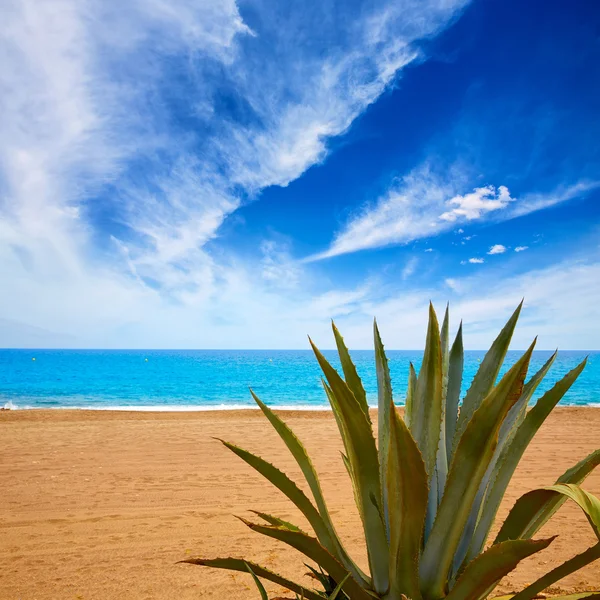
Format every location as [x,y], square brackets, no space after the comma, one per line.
[171,380]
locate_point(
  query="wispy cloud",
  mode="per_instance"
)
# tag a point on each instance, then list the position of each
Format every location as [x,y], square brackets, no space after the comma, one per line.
[119,164]
[425,203]
[497,249]
[521,248]
[539,201]
[410,267]
[476,261]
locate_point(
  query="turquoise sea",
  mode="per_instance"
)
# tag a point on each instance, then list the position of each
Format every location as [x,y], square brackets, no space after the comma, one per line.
[219,379]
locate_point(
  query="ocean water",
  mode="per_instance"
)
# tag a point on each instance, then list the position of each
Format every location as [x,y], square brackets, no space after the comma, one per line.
[219,379]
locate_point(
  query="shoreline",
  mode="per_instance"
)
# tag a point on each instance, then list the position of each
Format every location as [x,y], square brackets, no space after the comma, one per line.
[193,408]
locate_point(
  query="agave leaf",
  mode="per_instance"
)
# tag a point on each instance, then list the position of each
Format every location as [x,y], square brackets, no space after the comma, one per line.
[410,392]
[489,495]
[320,576]
[237,564]
[352,379]
[407,492]
[275,521]
[586,501]
[488,568]
[338,588]
[441,461]
[310,547]
[427,400]
[472,457]
[259,585]
[363,458]
[384,408]
[486,376]
[455,373]
[509,457]
[298,451]
[532,510]
[282,482]
[568,567]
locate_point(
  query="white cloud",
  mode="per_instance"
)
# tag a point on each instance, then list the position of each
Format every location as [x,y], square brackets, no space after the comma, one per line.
[452,283]
[476,261]
[428,249]
[539,201]
[425,203]
[560,302]
[84,108]
[410,267]
[420,205]
[521,248]
[476,204]
[497,249]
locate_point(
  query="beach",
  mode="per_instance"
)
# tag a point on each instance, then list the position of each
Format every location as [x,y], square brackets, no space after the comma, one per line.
[102,504]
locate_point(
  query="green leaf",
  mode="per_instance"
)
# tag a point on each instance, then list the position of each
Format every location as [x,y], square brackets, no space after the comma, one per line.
[499,472]
[361,450]
[384,407]
[509,456]
[486,376]
[295,446]
[282,482]
[237,564]
[352,379]
[472,457]
[427,401]
[310,547]
[488,568]
[455,374]
[410,392]
[532,510]
[568,567]
[338,588]
[259,585]
[276,521]
[407,492]
[441,462]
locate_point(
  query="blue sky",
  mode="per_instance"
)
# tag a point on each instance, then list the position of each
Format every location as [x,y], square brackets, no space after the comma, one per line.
[221,174]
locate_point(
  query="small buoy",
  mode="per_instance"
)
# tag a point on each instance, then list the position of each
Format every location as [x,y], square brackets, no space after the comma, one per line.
[145,360]
[33,358]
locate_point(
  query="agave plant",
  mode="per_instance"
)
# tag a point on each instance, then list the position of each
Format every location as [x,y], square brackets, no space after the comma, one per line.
[428,491]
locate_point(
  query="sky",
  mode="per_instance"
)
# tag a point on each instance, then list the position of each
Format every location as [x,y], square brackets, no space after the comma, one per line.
[222,174]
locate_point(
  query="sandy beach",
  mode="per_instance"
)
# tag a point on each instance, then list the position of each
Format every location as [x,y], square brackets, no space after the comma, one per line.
[101,505]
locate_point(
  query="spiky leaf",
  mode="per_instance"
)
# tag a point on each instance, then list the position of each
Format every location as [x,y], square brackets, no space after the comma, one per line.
[513,452]
[455,373]
[471,460]
[282,482]
[295,446]
[486,375]
[487,569]
[427,400]
[237,564]
[364,461]
[532,510]
[310,547]
[407,492]
[350,374]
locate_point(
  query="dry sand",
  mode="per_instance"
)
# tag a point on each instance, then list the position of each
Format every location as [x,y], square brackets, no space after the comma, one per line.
[100,505]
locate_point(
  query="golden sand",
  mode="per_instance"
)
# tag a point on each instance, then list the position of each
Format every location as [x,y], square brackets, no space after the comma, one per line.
[101,505]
